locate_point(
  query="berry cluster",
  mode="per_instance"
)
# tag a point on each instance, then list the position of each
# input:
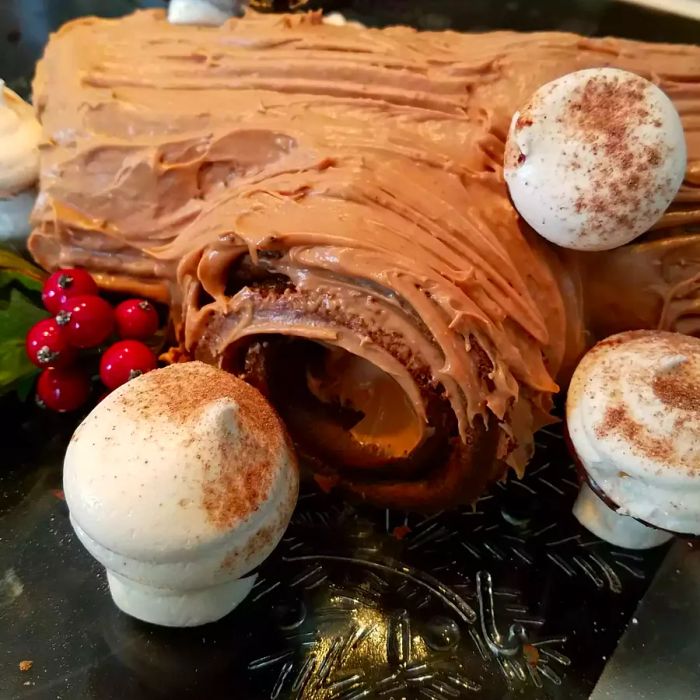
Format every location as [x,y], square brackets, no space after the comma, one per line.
[82,319]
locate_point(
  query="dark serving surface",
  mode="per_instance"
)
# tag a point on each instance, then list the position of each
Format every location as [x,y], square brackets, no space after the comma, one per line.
[356,602]
[372,603]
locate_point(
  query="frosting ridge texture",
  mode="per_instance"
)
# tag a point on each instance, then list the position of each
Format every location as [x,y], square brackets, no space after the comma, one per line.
[276,177]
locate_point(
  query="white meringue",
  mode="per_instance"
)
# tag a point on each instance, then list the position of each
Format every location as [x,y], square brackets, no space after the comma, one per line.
[180,483]
[633,414]
[210,12]
[20,134]
[608,525]
[337,19]
[594,159]
[15,211]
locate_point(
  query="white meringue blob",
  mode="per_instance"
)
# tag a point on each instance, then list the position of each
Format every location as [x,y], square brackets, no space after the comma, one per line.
[180,483]
[20,134]
[337,19]
[633,414]
[209,12]
[594,159]
[15,211]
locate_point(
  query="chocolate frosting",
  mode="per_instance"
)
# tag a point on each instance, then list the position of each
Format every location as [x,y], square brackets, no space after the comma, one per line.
[278,176]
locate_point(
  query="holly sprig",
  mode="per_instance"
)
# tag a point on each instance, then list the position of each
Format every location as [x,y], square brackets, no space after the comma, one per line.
[20,309]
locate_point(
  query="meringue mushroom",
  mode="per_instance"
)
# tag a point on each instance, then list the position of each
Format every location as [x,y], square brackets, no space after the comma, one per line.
[594,158]
[180,483]
[20,134]
[212,12]
[633,414]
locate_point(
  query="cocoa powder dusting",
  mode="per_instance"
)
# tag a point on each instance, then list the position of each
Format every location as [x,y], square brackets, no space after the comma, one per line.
[602,115]
[240,469]
[183,390]
[263,540]
[240,481]
[675,381]
[678,388]
[617,420]
[230,561]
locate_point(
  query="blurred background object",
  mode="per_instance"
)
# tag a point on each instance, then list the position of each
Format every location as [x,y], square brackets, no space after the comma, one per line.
[685,8]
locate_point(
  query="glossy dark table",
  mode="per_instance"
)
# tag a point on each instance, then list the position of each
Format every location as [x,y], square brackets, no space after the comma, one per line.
[355,603]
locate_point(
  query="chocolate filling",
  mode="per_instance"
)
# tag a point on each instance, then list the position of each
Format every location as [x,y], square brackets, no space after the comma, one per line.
[439,470]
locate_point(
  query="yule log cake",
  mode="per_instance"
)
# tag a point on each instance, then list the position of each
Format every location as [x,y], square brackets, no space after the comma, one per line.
[324,209]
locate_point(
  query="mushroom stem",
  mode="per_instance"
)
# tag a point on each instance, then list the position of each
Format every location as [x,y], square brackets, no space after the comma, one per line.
[613,527]
[177,608]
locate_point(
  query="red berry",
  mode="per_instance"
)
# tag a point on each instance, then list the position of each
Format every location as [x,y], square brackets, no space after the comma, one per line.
[62,285]
[88,320]
[62,389]
[136,318]
[47,345]
[125,360]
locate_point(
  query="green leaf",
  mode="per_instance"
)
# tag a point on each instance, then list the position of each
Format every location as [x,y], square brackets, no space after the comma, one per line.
[17,315]
[20,309]
[23,387]
[19,267]
[15,272]
[8,277]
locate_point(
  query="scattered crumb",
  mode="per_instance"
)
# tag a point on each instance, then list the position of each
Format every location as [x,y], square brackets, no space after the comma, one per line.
[326,483]
[25,665]
[400,532]
[532,656]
